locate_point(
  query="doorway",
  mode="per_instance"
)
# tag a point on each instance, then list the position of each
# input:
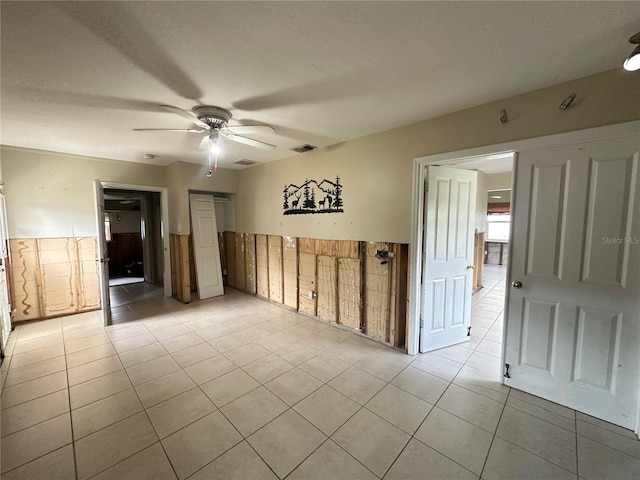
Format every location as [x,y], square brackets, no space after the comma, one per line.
[557,233]
[133,233]
[133,220]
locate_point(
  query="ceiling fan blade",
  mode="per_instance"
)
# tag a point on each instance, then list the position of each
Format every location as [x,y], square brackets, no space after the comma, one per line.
[189,130]
[239,129]
[247,141]
[113,23]
[188,115]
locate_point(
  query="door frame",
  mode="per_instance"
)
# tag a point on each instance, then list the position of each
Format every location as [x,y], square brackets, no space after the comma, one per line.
[420,165]
[164,207]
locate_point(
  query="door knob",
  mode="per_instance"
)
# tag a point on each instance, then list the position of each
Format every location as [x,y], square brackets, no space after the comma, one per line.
[516,284]
[471,267]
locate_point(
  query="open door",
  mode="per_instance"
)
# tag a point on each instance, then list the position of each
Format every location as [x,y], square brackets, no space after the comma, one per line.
[103,256]
[205,246]
[448,257]
[573,308]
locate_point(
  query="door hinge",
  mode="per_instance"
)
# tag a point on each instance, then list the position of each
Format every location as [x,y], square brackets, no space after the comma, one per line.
[468,331]
[506,371]
[421,322]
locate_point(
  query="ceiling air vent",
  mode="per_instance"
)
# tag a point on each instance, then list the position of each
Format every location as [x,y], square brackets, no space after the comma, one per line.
[246,163]
[304,148]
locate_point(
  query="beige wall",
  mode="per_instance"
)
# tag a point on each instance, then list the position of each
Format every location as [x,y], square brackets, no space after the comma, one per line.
[499,181]
[376,170]
[481,203]
[51,195]
[182,177]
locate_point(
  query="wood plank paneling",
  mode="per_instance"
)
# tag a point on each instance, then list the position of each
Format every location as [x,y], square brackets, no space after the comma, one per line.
[262,266]
[250,262]
[307,245]
[193,279]
[180,272]
[378,292]
[275,268]
[88,278]
[349,308]
[230,251]
[240,270]
[290,271]
[53,277]
[327,287]
[307,283]
[401,261]
[186,276]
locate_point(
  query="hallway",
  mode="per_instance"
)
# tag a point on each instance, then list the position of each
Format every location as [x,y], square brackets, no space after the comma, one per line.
[235,387]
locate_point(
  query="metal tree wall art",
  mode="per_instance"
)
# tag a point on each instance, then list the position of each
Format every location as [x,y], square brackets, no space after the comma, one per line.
[313,197]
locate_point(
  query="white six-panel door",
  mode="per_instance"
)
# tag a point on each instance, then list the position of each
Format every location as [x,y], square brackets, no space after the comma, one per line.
[205,246]
[448,257]
[573,320]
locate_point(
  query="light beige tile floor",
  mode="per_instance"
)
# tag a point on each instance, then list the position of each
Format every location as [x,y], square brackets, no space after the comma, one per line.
[237,388]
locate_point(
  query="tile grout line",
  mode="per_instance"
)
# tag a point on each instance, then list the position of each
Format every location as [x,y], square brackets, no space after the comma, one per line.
[73,442]
[486,458]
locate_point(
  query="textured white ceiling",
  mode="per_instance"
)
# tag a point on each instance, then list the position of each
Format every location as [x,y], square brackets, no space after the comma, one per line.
[78,78]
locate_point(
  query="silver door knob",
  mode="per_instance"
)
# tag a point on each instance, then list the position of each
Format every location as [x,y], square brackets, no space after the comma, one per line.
[516,284]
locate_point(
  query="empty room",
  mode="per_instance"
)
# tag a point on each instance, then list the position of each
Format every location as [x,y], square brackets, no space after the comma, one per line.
[319,240]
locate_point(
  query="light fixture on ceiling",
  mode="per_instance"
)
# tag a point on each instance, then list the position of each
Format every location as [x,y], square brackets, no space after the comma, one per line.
[503,116]
[214,150]
[495,196]
[632,62]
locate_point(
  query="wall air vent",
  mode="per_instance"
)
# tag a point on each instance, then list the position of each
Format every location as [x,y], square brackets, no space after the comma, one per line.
[246,163]
[304,148]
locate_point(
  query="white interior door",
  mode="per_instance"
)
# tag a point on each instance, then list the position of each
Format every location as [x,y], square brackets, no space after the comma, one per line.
[573,310]
[205,246]
[103,255]
[448,257]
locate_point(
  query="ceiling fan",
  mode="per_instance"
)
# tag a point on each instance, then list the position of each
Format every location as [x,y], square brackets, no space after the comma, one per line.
[213,121]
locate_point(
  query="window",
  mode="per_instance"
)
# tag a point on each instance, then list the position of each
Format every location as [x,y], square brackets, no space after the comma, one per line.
[499,225]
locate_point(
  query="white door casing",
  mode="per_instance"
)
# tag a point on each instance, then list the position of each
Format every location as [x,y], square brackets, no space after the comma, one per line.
[572,330]
[103,255]
[448,257]
[205,246]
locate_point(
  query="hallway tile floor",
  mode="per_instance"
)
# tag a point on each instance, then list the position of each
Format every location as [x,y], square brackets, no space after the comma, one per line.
[238,388]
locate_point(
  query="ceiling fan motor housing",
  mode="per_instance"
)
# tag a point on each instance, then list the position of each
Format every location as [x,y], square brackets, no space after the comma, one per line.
[215,117]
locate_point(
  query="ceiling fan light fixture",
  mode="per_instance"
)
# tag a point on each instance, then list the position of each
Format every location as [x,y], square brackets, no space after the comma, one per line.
[632,62]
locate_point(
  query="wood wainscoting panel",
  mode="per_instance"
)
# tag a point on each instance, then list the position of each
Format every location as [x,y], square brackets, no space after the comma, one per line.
[349,280]
[241,269]
[230,253]
[262,266]
[327,287]
[275,268]
[307,283]
[250,263]
[53,277]
[290,271]
[378,293]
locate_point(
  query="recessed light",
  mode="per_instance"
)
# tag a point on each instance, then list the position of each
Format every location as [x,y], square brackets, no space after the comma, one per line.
[495,196]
